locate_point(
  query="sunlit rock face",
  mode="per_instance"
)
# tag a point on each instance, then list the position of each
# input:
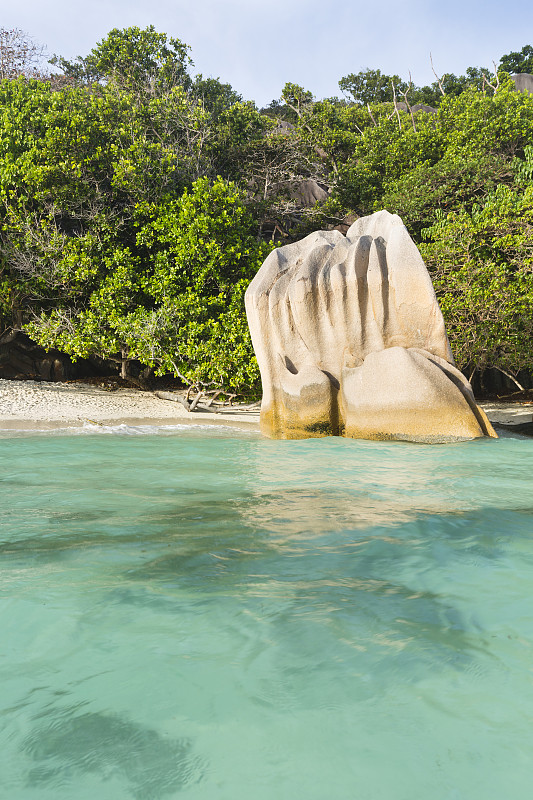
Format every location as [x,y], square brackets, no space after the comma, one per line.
[350,341]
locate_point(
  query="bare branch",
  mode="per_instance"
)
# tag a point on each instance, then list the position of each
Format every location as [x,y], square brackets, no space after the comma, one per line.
[494,86]
[371,115]
[439,81]
[404,95]
[179,375]
[196,400]
[19,55]
[175,397]
[396,104]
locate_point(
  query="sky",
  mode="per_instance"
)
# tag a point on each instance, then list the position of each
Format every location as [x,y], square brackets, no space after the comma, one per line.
[258,46]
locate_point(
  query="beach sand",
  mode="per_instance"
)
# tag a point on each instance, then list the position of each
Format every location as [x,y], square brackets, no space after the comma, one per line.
[32,405]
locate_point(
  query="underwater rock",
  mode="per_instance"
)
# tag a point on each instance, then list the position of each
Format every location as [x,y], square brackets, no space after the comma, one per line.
[350,341]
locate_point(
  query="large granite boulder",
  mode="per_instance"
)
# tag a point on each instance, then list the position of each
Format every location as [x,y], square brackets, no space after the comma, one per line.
[417,108]
[523,82]
[350,341]
[20,358]
[307,193]
[23,359]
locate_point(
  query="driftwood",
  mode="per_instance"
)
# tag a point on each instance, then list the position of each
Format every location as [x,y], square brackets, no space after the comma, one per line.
[188,405]
[194,405]
[251,406]
[176,398]
[196,401]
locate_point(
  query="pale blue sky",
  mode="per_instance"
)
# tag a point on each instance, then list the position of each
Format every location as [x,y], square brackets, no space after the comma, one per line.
[258,46]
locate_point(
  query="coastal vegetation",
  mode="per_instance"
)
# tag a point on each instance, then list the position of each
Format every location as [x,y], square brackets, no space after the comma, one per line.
[137,200]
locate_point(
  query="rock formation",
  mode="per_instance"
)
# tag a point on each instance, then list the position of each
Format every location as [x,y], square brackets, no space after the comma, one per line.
[417,108]
[523,82]
[307,193]
[23,359]
[350,341]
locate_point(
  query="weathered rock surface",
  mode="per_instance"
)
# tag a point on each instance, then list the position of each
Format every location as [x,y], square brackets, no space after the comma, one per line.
[417,107]
[523,82]
[350,341]
[307,193]
[21,358]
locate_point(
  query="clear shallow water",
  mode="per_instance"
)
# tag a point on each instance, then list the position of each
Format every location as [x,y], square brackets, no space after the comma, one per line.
[209,615]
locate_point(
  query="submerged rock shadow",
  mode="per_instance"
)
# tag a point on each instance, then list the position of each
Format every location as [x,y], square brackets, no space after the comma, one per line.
[330,597]
[66,744]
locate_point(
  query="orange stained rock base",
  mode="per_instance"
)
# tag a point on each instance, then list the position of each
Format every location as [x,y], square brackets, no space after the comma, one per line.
[396,394]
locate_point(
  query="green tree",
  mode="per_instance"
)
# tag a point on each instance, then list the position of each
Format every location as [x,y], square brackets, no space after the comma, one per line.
[106,228]
[482,267]
[215,96]
[296,97]
[450,84]
[454,182]
[133,201]
[172,298]
[383,157]
[135,59]
[517,62]
[371,86]
[279,110]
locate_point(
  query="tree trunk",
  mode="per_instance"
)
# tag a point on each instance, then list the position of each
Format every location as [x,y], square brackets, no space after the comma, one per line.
[124,365]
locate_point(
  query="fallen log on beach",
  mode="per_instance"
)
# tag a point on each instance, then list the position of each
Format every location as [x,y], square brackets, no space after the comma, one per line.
[189,406]
[208,403]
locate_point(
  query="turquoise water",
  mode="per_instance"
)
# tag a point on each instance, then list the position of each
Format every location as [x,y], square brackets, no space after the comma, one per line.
[210,615]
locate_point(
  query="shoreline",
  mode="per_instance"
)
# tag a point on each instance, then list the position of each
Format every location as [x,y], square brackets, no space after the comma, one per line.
[34,405]
[14,424]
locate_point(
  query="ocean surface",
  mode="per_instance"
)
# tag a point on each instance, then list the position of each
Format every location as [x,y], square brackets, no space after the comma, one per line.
[208,615]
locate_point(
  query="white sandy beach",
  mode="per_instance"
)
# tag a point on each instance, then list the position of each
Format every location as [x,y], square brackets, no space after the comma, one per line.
[508,413]
[42,406]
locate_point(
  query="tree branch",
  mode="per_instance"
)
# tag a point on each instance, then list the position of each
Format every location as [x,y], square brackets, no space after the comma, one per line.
[435,74]
[396,104]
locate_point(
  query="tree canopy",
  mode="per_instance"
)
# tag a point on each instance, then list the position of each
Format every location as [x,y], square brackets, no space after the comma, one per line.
[521,61]
[138,200]
[134,59]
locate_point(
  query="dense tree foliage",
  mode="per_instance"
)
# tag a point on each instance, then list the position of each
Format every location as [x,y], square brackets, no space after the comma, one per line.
[371,86]
[138,200]
[112,230]
[482,264]
[461,180]
[518,62]
[133,58]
